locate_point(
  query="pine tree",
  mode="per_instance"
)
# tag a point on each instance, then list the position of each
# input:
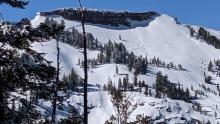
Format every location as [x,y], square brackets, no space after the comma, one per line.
[119,37]
[208,79]
[203,33]
[150,92]
[143,83]
[131,87]
[116,69]
[191,30]
[54,29]
[187,95]
[72,118]
[192,88]
[131,61]
[73,81]
[15,67]
[104,87]
[135,80]
[140,85]
[208,122]
[125,84]
[109,85]
[158,84]
[146,90]
[15,3]
[210,66]
[180,67]
[119,84]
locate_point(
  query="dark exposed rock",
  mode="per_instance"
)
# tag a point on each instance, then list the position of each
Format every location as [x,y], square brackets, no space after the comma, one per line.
[102,17]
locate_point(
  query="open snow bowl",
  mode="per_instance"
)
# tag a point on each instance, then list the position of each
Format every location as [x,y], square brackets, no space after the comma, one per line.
[161,37]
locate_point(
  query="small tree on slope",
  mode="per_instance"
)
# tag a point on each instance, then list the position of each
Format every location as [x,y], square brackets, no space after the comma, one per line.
[124,106]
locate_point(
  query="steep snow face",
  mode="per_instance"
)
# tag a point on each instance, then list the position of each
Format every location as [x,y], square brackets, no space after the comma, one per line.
[161,37]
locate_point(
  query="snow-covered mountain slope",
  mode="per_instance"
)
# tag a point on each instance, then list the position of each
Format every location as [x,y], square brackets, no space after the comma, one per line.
[161,37]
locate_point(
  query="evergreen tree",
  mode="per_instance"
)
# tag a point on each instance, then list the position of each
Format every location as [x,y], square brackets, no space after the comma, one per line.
[166,88]
[180,67]
[131,61]
[104,87]
[138,66]
[72,117]
[208,79]
[208,38]
[125,84]
[110,86]
[17,68]
[191,30]
[150,92]
[131,87]
[140,85]
[119,84]
[146,90]
[73,81]
[135,80]
[108,51]
[15,3]
[158,84]
[210,66]
[187,95]
[116,69]
[119,53]
[203,33]
[208,122]
[119,37]
[192,88]
[143,83]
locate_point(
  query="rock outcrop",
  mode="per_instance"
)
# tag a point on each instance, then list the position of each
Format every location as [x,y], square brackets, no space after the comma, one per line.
[102,17]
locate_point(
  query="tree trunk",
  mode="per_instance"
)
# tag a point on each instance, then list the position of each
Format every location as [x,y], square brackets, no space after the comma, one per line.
[56,84]
[85,72]
[85,66]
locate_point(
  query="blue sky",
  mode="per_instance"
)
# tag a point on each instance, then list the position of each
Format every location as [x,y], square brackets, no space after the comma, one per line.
[198,12]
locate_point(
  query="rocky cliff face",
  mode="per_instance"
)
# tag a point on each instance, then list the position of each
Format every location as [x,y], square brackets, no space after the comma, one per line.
[102,17]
